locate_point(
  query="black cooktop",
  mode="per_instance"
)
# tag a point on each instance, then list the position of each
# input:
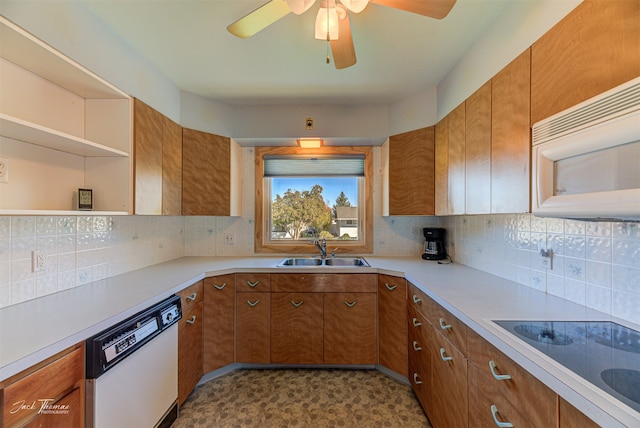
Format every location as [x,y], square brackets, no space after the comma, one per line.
[602,352]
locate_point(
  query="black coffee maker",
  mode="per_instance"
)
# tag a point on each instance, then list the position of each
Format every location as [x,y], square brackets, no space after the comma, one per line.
[434,246]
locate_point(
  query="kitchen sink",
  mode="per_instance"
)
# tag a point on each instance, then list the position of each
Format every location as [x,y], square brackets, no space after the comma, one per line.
[316,261]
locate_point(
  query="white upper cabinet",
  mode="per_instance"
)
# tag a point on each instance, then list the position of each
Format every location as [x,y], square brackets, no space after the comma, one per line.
[61,128]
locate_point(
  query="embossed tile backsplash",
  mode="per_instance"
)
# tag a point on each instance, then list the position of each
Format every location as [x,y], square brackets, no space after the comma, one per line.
[596,264]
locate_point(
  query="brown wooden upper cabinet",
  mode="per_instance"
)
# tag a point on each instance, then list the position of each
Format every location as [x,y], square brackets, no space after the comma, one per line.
[456,173]
[593,49]
[442,167]
[210,184]
[411,188]
[478,151]
[157,162]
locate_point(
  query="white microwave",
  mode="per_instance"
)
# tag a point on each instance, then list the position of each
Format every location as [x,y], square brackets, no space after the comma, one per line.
[586,159]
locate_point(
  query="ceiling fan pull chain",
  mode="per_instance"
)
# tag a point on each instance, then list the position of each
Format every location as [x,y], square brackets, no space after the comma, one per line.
[328,38]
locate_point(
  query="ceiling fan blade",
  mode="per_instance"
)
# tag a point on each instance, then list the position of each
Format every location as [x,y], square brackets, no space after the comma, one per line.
[259,19]
[344,54]
[437,9]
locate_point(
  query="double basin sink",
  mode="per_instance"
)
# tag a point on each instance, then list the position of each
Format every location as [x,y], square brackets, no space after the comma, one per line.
[319,262]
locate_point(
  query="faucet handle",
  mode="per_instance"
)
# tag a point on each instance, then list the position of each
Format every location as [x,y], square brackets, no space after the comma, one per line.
[333,252]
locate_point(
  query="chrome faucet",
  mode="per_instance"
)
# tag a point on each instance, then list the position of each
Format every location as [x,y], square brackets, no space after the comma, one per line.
[322,247]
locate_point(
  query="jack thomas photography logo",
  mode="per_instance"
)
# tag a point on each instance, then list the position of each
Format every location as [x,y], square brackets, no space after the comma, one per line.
[44,406]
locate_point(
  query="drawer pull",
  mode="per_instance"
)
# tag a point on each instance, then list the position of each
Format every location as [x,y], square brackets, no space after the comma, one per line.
[444,357]
[443,324]
[296,304]
[496,376]
[494,413]
[192,297]
[416,347]
[192,320]
[252,304]
[390,287]
[416,379]
[416,299]
[416,323]
[351,305]
[252,284]
[220,287]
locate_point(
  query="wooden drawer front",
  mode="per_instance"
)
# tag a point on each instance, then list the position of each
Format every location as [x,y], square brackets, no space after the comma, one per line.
[536,402]
[55,380]
[253,281]
[219,322]
[392,323]
[570,417]
[74,401]
[297,328]
[191,296]
[189,351]
[450,398]
[419,300]
[482,396]
[324,282]
[419,355]
[253,327]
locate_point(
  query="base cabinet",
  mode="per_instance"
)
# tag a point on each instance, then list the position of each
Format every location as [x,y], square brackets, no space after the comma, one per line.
[570,417]
[297,328]
[190,340]
[253,327]
[392,323]
[219,322]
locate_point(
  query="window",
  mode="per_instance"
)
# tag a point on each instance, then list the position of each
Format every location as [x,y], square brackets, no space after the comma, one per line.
[307,194]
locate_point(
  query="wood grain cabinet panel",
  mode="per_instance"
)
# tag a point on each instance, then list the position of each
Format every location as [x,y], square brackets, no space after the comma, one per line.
[191,296]
[297,328]
[478,151]
[411,172]
[219,322]
[189,350]
[593,49]
[324,282]
[442,167]
[147,152]
[420,350]
[510,137]
[350,328]
[253,327]
[450,403]
[457,160]
[253,282]
[206,174]
[570,417]
[392,323]
[171,167]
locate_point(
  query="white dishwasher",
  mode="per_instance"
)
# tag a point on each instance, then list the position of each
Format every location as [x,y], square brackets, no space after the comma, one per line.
[132,370]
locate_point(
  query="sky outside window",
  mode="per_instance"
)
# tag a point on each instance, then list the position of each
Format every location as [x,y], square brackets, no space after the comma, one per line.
[331,187]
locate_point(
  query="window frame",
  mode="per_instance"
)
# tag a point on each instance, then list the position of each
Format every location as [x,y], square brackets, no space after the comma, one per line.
[262,244]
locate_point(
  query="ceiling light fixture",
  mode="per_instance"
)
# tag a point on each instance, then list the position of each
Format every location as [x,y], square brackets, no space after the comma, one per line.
[310,143]
[327,21]
[355,6]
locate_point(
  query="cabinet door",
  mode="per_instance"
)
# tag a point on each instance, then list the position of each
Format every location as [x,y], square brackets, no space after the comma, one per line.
[206,174]
[570,417]
[442,167]
[219,322]
[171,167]
[510,137]
[253,327]
[147,155]
[189,351]
[450,398]
[392,323]
[457,160]
[297,328]
[593,49]
[411,173]
[478,151]
[350,328]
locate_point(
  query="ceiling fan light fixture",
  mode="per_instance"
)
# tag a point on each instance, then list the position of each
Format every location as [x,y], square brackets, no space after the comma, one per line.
[299,6]
[327,17]
[355,6]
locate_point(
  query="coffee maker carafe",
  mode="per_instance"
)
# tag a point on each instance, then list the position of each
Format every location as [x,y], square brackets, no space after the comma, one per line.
[434,245]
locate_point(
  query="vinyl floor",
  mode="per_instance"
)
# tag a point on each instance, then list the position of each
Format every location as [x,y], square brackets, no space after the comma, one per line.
[311,398]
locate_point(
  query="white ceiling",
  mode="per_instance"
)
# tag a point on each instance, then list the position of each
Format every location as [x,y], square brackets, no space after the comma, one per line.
[398,52]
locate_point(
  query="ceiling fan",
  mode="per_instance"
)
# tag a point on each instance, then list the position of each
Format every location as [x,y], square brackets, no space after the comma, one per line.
[332,21]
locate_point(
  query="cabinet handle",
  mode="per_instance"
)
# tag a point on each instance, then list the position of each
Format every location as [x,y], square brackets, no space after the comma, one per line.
[494,413]
[443,324]
[352,304]
[192,320]
[415,379]
[416,323]
[416,299]
[415,346]
[390,287]
[253,284]
[252,304]
[192,297]
[444,357]
[492,367]
[297,304]
[220,287]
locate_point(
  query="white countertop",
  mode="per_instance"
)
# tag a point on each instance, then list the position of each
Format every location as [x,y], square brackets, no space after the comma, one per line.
[35,330]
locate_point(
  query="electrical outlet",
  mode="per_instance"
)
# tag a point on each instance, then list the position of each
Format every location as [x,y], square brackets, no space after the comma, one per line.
[546,261]
[4,170]
[37,261]
[229,238]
